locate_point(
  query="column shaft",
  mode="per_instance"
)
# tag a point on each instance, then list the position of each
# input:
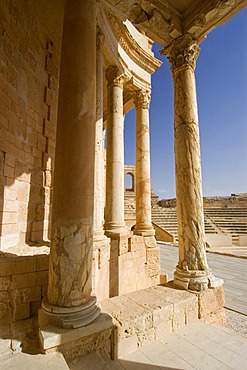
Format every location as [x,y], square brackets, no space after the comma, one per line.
[192,271]
[70,265]
[114,210]
[99,139]
[143,188]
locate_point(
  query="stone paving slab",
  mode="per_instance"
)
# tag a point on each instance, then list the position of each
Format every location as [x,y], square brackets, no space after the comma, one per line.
[232,270]
[24,361]
[199,346]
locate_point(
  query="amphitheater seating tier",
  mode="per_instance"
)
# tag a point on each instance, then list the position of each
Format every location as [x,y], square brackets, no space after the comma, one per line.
[226,221]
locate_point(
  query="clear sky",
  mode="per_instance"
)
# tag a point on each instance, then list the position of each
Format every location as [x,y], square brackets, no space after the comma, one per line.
[221,77]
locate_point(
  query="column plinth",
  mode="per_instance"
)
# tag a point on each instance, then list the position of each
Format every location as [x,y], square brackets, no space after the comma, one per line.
[192,271]
[143,188]
[114,209]
[70,276]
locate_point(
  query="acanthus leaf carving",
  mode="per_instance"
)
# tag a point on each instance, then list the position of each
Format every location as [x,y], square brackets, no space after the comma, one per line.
[182,52]
[142,98]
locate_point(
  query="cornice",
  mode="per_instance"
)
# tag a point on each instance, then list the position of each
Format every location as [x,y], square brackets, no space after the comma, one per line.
[203,16]
[163,23]
[158,19]
[131,47]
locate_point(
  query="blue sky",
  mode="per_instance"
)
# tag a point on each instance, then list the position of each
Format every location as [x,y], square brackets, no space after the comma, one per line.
[221,77]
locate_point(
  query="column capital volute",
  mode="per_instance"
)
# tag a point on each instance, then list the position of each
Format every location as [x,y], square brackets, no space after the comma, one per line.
[100,38]
[142,98]
[115,76]
[183,52]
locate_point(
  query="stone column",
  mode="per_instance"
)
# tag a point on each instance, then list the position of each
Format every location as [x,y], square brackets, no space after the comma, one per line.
[143,189]
[99,155]
[114,210]
[192,271]
[69,303]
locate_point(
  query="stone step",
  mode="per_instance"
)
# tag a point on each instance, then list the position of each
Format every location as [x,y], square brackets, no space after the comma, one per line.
[23,361]
[147,315]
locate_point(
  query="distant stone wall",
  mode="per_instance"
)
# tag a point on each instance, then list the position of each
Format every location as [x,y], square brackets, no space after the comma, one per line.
[238,200]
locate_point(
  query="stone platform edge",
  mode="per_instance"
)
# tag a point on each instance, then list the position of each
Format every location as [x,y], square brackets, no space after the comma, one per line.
[133,320]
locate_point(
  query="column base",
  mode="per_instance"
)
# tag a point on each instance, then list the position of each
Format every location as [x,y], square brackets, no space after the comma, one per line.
[144,230]
[196,280]
[114,228]
[69,317]
[99,236]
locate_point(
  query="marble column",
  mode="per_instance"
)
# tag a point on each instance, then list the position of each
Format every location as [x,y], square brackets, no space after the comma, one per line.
[192,271]
[99,138]
[143,188]
[69,302]
[114,210]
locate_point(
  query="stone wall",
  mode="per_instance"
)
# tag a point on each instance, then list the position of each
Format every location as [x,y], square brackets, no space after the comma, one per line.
[231,201]
[23,282]
[30,56]
[131,263]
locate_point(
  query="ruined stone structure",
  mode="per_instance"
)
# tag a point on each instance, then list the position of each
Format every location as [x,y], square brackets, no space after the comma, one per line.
[70,70]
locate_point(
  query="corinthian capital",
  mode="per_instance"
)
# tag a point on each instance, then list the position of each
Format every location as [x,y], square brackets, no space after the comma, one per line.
[142,99]
[115,76]
[182,52]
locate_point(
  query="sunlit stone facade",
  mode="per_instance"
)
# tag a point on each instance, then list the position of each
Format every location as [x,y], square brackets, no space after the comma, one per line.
[70,71]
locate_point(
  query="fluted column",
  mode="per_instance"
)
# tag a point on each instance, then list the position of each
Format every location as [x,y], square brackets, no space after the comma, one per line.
[192,271]
[114,210]
[69,303]
[143,188]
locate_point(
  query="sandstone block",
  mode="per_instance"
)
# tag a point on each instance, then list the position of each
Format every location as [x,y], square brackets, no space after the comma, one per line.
[210,300]
[34,307]
[42,262]
[17,265]
[26,295]
[22,311]
[152,261]
[5,306]
[123,247]
[5,282]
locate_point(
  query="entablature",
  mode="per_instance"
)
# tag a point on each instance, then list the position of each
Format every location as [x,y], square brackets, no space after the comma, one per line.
[165,20]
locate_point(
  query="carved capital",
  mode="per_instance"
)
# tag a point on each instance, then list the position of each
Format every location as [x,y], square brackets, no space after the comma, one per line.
[183,52]
[115,76]
[100,38]
[142,98]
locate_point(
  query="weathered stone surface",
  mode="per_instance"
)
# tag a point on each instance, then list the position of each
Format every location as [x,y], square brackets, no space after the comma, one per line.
[211,300]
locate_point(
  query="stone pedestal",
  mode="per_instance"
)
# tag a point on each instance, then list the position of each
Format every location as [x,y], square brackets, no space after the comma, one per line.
[192,271]
[114,210]
[69,302]
[143,189]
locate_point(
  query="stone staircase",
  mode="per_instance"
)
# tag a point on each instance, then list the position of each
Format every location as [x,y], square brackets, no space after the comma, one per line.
[221,221]
[231,221]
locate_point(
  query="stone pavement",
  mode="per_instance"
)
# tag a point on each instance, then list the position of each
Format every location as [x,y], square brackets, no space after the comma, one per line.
[199,346]
[233,270]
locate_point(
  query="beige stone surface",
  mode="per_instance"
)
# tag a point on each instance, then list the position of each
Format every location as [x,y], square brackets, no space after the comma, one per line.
[70,276]
[114,212]
[143,176]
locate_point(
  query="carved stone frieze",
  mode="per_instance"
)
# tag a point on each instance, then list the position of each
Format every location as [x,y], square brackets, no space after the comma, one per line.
[127,42]
[182,52]
[142,98]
